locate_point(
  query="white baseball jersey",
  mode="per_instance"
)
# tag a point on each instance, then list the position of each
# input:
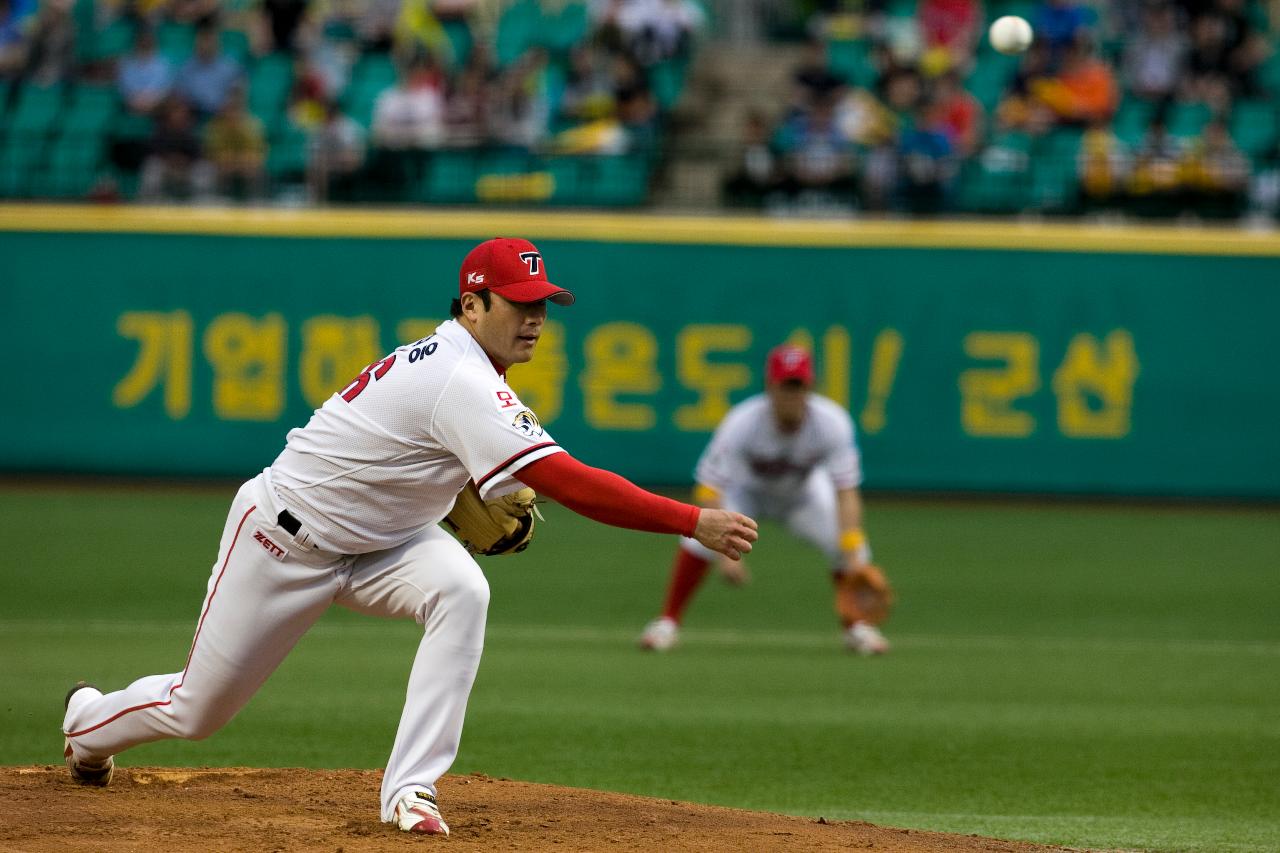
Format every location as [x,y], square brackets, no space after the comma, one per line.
[749,452]
[386,456]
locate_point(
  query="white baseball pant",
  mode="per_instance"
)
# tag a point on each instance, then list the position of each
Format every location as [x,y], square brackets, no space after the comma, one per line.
[265,591]
[809,513]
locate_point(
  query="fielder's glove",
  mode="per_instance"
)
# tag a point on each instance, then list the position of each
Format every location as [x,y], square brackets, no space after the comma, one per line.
[500,526]
[863,595]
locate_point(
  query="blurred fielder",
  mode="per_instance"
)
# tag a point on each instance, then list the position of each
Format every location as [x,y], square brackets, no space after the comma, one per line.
[791,455]
[349,514]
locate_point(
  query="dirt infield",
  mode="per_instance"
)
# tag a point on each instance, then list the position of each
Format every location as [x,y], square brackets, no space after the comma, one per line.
[233,809]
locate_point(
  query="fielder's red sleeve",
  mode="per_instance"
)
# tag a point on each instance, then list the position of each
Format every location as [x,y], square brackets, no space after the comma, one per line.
[605,497]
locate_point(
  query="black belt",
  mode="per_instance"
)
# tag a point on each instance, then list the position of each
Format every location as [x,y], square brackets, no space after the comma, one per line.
[286,520]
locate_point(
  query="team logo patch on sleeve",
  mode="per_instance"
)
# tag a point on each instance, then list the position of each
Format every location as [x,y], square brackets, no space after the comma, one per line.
[527,423]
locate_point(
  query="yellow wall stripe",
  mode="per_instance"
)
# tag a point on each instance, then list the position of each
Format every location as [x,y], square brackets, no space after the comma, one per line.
[640,228]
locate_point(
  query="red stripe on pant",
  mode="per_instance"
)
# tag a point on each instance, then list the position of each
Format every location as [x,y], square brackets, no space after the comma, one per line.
[194,640]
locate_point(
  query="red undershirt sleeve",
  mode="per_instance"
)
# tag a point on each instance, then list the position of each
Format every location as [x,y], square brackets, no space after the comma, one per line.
[605,497]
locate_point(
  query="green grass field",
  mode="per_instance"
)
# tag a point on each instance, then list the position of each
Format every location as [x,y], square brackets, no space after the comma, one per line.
[1097,676]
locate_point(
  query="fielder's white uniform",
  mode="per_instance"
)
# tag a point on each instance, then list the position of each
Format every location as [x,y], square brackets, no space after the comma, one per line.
[367,479]
[760,471]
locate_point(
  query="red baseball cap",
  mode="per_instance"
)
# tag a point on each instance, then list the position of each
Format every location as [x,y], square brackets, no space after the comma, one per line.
[511,268]
[789,362]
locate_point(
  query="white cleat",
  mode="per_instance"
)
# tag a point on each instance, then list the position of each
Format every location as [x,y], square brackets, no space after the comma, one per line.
[418,812]
[865,639]
[660,635]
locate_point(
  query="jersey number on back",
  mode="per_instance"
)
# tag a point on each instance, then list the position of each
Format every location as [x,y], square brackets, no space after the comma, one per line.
[375,371]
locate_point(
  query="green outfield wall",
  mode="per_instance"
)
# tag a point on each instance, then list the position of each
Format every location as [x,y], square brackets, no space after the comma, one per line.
[971,357]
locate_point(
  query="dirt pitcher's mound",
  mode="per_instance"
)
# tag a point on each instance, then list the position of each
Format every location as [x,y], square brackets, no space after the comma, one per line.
[169,809]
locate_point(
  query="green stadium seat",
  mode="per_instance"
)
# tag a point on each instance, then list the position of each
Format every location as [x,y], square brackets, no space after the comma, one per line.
[460,41]
[998,180]
[176,41]
[1188,119]
[371,75]
[287,155]
[91,109]
[113,40]
[990,77]
[20,165]
[1053,183]
[567,174]
[1254,126]
[666,79]
[451,178]
[36,109]
[269,83]
[75,162]
[561,30]
[235,43]
[1269,74]
[619,180]
[1132,120]
[851,60]
[518,29]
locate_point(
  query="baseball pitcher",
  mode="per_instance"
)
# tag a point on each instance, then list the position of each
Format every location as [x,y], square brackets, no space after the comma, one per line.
[349,514]
[787,454]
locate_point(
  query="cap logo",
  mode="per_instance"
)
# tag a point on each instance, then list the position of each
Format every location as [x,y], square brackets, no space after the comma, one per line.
[534,260]
[792,359]
[475,278]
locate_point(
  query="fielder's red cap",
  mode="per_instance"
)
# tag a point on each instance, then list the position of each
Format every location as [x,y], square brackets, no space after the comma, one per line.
[789,362]
[511,268]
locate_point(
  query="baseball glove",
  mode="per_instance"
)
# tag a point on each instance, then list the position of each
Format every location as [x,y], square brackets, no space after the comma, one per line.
[863,595]
[500,526]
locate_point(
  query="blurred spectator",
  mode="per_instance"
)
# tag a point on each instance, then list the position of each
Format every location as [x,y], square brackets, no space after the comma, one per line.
[651,30]
[1102,166]
[903,92]
[1084,90]
[927,162]
[236,145]
[1264,188]
[466,106]
[207,78]
[959,114]
[1157,169]
[410,114]
[417,30]
[637,107]
[281,21]
[185,11]
[1154,59]
[817,156]
[758,172]
[588,90]
[144,76]
[1057,23]
[864,120]
[376,24]
[51,44]
[308,95]
[1215,172]
[813,78]
[1209,58]
[174,167]
[14,15]
[335,155]
[1247,48]
[949,30]
[519,109]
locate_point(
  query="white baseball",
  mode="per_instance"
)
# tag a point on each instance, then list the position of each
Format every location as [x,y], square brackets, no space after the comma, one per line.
[1010,34]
